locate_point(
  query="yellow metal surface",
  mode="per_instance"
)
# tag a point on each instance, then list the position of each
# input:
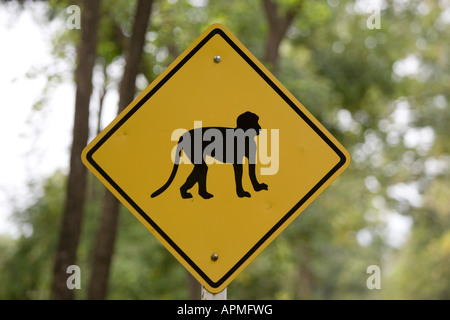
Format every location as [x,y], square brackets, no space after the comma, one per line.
[133,158]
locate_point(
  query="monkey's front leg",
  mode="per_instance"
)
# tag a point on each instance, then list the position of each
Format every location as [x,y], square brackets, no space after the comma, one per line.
[238,179]
[252,173]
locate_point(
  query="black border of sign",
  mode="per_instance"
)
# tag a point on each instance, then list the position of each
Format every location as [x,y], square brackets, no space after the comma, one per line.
[90,153]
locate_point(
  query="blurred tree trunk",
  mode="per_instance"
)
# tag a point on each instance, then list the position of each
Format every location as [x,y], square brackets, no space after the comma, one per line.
[106,236]
[75,194]
[102,93]
[279,22]
[306,275]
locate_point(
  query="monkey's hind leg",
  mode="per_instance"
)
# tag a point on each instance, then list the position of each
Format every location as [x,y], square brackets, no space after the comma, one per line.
[198,174]
[203,171]
[190,181]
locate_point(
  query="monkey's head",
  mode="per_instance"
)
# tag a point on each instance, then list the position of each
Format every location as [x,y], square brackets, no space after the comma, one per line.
[248,120]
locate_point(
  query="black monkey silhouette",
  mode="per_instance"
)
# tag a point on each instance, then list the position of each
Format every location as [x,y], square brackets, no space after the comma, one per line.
[227,145]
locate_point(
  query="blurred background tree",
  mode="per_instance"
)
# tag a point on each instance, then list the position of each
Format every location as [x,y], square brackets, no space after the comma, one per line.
[383,92]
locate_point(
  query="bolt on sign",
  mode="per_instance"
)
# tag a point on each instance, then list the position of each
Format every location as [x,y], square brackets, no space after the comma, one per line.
[216,158]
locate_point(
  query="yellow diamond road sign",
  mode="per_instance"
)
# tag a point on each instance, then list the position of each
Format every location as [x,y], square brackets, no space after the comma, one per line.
[216,158]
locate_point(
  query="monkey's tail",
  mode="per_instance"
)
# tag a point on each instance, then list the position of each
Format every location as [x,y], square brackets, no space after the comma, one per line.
[172,175]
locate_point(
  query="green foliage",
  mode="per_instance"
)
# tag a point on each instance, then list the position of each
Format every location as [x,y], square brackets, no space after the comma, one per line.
[422,267]
[26,273]
[142,267]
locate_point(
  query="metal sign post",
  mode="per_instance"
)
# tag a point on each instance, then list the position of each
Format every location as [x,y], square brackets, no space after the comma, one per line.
[206,295]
